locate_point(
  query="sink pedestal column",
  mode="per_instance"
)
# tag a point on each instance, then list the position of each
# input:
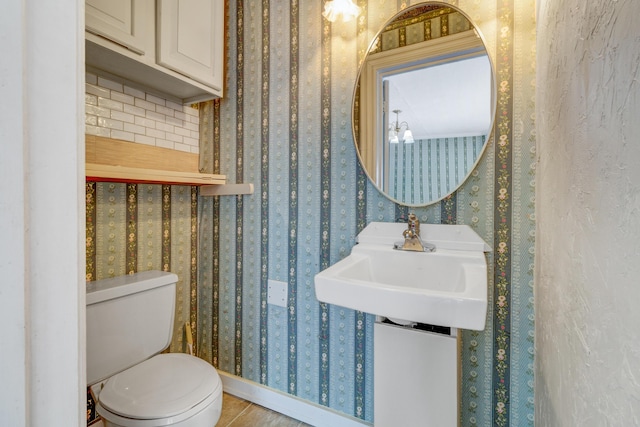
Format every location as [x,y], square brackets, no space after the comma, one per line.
[415,377]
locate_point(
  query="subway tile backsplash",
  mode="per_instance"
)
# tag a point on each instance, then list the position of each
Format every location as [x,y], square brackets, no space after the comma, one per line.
[115,110]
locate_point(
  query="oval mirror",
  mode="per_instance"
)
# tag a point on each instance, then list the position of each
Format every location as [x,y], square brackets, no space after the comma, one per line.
[424,104]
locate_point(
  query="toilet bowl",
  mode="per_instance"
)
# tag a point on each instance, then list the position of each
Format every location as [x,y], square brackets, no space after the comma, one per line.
[129,321]
[167,390]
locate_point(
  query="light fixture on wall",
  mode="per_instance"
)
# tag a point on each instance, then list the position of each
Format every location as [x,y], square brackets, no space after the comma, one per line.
[333,9]
[396,127]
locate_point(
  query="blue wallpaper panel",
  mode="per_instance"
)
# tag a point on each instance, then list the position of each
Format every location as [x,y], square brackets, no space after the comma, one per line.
[285,126]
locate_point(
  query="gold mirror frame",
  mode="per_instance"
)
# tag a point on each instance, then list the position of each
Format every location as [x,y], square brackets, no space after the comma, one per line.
[379,63]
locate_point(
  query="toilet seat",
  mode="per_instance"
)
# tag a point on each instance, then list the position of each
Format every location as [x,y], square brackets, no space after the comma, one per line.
[162,390]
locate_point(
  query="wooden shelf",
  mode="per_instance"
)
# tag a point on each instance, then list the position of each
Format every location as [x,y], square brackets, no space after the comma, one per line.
[121,161]
[97,172]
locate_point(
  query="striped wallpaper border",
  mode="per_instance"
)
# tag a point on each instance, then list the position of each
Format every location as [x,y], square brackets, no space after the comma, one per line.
[325,204]
[292,364]
[239,178]
[503,218]
[264,194]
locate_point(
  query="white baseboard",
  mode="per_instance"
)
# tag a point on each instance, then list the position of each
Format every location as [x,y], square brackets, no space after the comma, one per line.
[286,404]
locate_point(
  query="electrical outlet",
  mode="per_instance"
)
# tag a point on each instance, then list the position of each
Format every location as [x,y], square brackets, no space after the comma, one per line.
[277,293]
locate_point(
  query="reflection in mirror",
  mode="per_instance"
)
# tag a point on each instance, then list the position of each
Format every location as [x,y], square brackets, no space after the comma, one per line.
[423,104]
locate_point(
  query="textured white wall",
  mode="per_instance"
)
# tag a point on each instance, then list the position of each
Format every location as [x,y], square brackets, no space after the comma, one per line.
[42,303]
[13,221]
[588,211]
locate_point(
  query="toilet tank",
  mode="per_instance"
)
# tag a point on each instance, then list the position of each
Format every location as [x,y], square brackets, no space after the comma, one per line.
[129,319]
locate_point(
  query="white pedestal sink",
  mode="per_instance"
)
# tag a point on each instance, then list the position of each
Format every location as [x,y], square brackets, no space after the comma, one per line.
[447,287]
[415,371]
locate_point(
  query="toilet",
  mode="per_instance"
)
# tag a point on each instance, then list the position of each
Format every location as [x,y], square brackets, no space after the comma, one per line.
[129,324]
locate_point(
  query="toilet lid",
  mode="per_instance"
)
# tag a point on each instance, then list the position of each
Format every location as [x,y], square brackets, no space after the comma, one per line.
[165,385]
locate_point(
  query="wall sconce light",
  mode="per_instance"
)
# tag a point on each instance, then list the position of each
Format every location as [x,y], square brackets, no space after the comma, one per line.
[396,127]
[333,9]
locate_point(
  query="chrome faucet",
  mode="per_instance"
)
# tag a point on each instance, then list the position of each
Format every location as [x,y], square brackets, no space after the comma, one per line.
[412,239]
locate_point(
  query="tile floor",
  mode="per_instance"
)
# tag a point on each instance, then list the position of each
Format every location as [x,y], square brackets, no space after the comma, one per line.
[237,412]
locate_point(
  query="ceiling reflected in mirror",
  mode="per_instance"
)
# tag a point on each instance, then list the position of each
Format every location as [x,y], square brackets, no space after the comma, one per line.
[432,99]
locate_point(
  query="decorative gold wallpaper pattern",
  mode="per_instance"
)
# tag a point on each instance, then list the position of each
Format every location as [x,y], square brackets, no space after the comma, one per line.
[139,227]
[286,127]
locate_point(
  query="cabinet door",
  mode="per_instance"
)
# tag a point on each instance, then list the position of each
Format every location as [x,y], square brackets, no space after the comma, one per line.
[190,39]
[121,21]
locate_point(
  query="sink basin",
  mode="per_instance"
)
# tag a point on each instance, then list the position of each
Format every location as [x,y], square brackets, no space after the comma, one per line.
[447,287]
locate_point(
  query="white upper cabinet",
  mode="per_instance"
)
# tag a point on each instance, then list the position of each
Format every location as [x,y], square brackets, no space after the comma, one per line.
[188,41]
[122,21]
[173,48]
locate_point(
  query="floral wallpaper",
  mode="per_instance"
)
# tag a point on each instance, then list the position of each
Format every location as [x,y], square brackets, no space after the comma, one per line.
[285,126]
[140,227]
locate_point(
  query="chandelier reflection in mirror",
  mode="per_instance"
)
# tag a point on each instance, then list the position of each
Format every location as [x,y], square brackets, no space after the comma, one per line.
[345,8]
[396,127]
